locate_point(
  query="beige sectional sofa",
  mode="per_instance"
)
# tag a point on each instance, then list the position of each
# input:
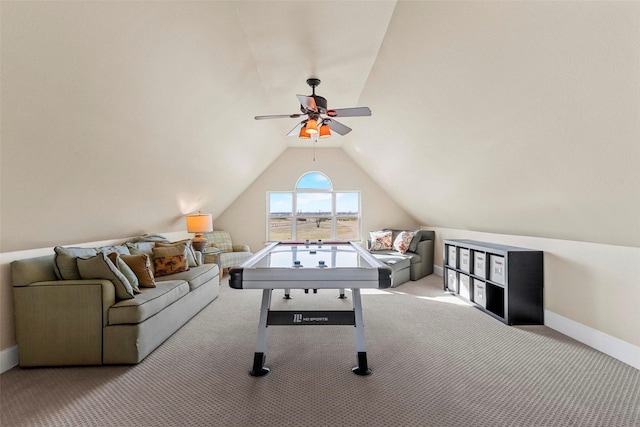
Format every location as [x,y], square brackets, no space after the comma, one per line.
[64,318]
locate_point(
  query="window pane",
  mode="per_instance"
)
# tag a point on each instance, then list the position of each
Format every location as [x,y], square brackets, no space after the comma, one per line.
[314,180]
[347,228]
[313,228]
[347,203]
[313,204]
[280,204]
[279,228]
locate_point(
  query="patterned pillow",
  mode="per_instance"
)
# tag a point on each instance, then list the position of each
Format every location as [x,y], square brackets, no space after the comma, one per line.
[170,260]
[141,267]
[402,242]
[380,240]
[191,256]
[100,267]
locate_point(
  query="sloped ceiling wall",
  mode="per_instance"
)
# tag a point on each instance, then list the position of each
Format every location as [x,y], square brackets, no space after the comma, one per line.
[509,117]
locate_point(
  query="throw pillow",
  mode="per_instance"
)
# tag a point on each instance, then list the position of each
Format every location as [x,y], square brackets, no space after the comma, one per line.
[142,248]
[417,236]
[380,240]
[141,267]
[150,238]
[402,242]
[114,257]
[65,261]
[100,267]
[191,255]
[170,260]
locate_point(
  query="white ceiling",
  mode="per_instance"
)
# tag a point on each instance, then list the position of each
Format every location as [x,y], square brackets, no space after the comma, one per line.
[335,41]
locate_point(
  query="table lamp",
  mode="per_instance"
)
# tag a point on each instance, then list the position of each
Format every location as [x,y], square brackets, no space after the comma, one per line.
[199,223]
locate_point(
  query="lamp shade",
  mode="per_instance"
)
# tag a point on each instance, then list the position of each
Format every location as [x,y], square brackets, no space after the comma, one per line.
[325,132]
[312,126]
[303,132]
[199,223]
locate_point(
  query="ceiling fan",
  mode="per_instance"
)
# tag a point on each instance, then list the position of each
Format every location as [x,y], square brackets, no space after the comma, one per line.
[319,118]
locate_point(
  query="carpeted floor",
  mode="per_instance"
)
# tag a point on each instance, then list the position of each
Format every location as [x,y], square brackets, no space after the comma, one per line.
[435,361]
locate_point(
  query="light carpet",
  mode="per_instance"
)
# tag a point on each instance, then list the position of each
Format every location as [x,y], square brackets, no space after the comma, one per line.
[436,362]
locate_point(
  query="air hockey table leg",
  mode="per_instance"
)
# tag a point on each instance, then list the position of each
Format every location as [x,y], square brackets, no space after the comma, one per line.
[260,355]
[287,294]
[342,296]
[362,368]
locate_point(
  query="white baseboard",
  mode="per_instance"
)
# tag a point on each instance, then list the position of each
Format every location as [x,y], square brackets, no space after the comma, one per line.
[437,270]
[611,346]
[8,358]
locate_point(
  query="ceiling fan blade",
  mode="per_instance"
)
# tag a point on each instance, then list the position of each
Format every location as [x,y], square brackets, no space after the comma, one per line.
[308,103]
[338,127]
[296,130]
[349,112]
[278,116]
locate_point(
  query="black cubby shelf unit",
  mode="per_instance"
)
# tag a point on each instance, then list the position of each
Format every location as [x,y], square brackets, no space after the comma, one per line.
[505,282]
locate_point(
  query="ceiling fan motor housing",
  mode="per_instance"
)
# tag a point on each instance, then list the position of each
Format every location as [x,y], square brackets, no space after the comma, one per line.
[321,103]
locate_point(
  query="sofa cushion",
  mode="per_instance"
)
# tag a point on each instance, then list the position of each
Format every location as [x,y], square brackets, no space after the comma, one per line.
[170,260]
[148,303]
[65,259]
[380,240]
[191,256]
[196,276]
[395,260]
[100,267]
[141,267]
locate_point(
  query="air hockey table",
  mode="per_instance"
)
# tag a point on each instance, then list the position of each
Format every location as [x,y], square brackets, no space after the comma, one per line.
[317,265]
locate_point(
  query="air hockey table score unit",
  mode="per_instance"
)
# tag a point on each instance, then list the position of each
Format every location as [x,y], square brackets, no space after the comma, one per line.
[318,265]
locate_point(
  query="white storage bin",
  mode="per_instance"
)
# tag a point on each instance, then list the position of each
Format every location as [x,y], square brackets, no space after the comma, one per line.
[465,260]
[464,285]
[496,269]
[452,258]
[479,265]
[452,281]
[479,293]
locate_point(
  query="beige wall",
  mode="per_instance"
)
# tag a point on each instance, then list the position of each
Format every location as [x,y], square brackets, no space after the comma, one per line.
[592,284]
[245,218]
[518,117]
[120,117]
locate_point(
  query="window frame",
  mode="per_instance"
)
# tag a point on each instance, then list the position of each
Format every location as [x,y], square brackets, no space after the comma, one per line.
[294,216]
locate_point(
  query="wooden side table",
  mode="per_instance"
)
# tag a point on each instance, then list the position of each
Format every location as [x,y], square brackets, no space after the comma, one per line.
[214,251]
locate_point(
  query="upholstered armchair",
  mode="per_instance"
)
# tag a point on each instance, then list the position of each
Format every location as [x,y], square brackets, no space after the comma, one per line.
[230,255]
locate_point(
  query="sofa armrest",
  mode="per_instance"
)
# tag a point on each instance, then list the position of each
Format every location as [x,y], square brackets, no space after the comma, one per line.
[60,322]
[241,248]
[425,266]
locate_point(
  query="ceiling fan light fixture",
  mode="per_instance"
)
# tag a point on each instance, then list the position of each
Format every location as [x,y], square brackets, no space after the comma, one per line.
[312,126]
[303,132]
[324,131]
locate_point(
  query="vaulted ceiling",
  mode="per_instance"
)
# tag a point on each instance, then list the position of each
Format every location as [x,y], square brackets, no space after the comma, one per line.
[486,116]
[505,117]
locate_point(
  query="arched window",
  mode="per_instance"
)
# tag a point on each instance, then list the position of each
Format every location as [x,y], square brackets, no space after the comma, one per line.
[313,211]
